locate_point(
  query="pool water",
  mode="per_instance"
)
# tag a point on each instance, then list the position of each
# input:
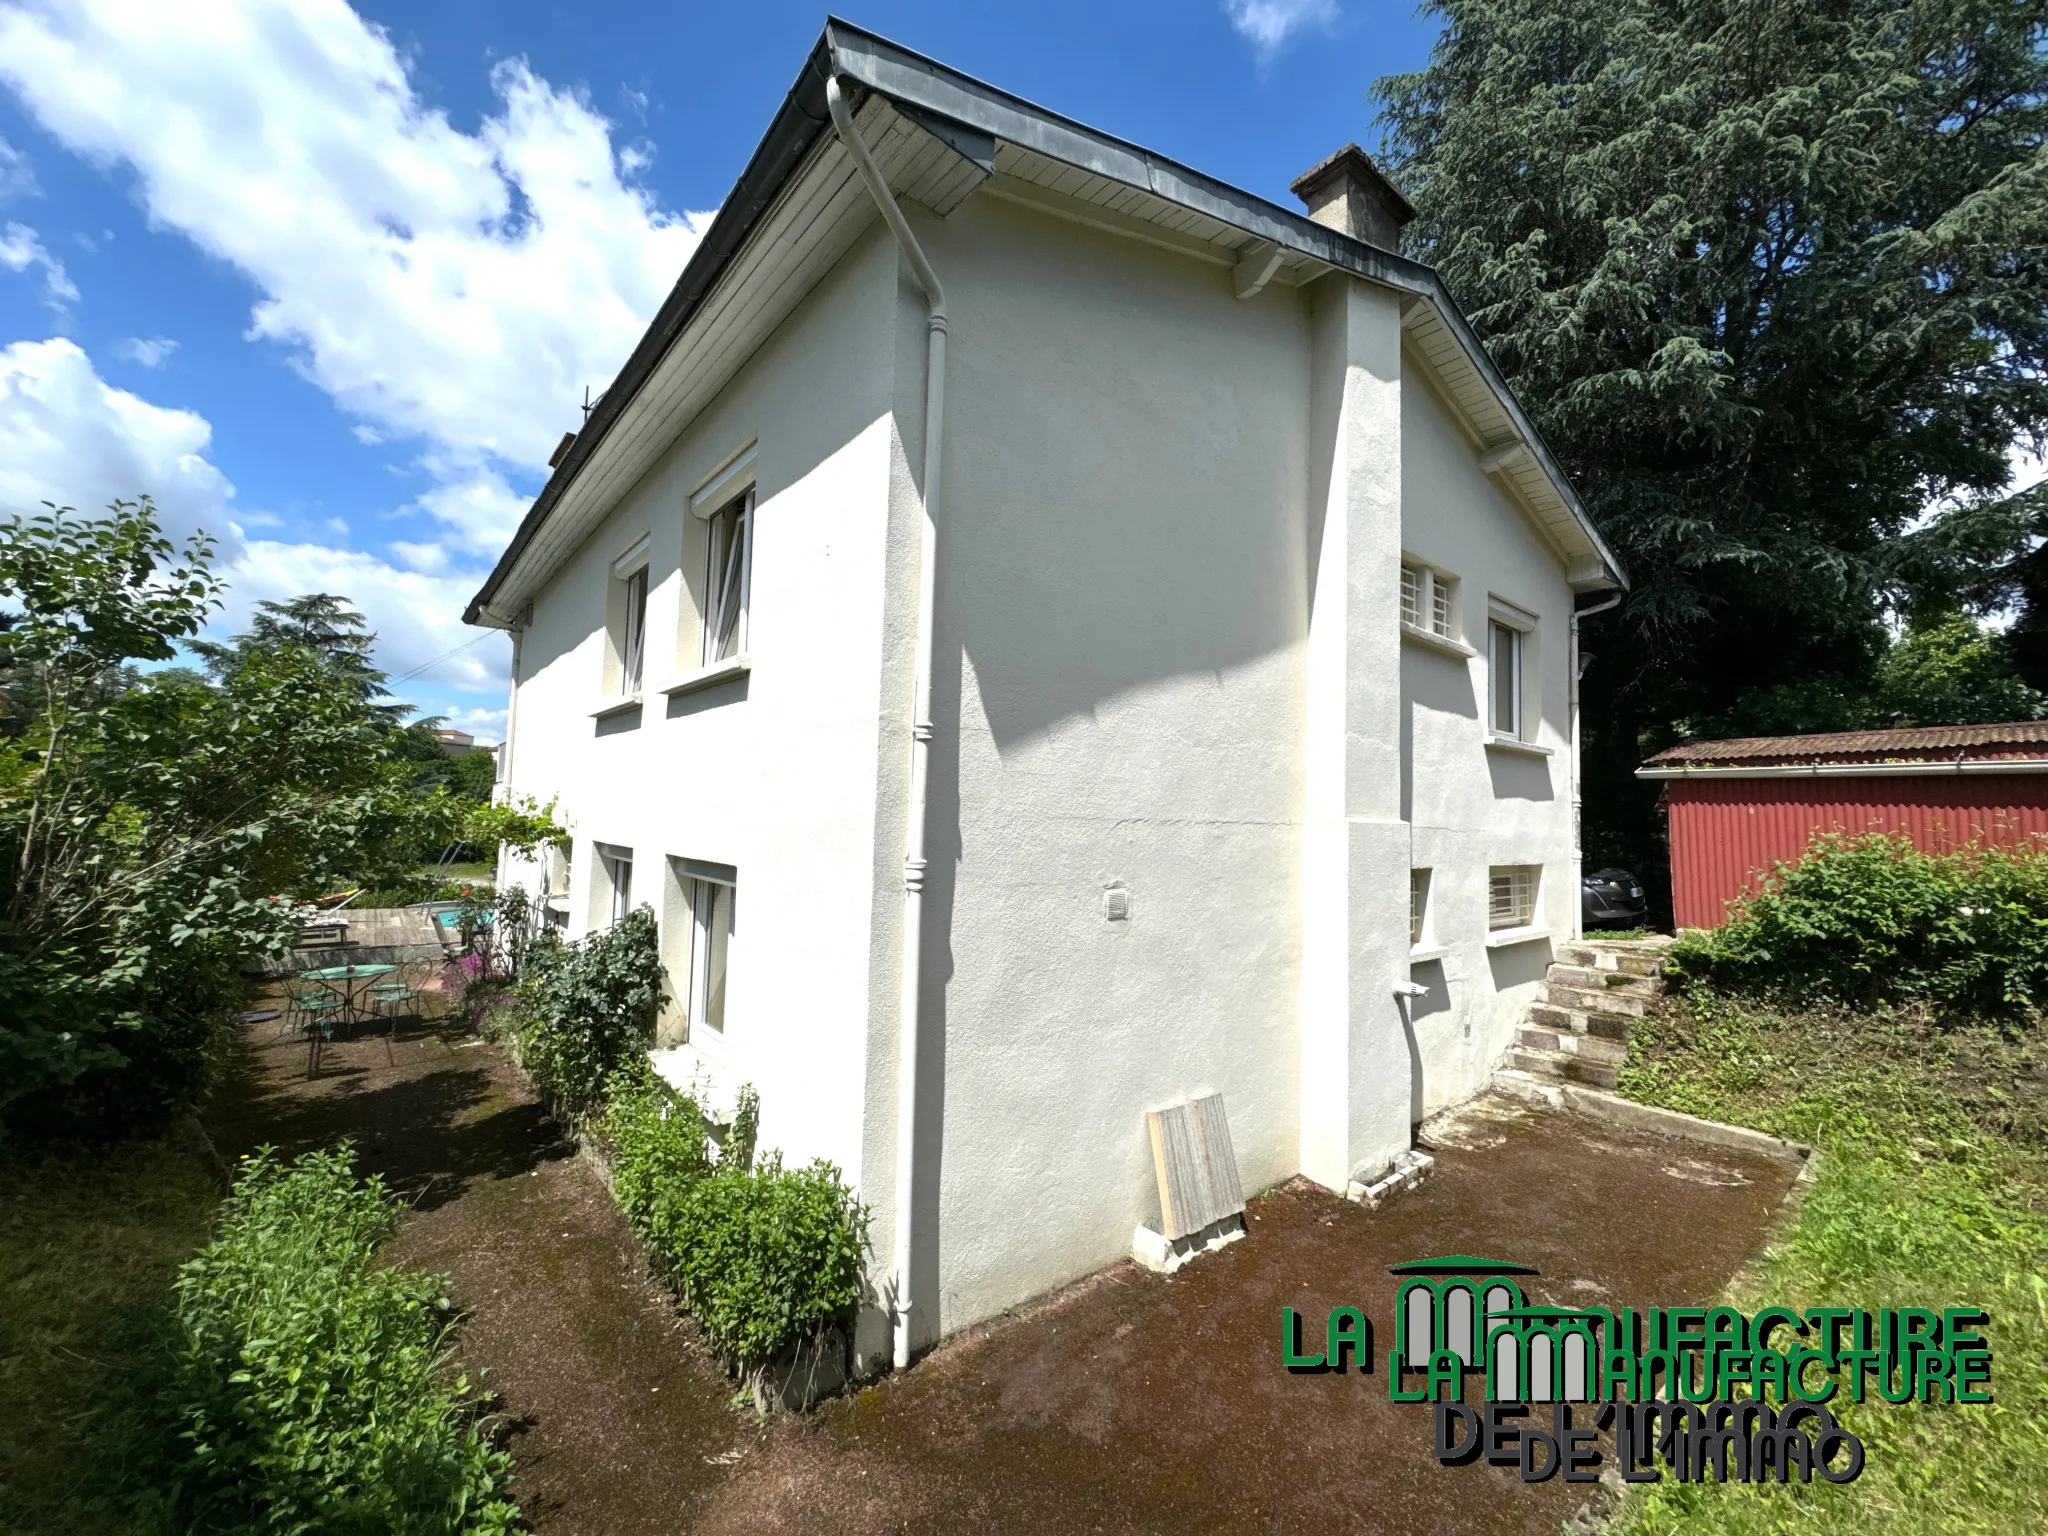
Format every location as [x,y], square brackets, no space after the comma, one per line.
[454,919]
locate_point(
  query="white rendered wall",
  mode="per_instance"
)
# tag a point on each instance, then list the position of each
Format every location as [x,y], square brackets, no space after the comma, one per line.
[776,776]
[1470,806]
[1130,539]
[1118,699]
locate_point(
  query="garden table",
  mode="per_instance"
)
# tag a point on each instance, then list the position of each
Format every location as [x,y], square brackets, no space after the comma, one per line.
[350,978]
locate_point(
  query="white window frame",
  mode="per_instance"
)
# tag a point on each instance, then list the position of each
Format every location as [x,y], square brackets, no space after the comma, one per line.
[1516,627]
[614,869]
[627,622]
[633,634]
[728,491]
[1420,889]
[1513,896]
[703,901]
[1429,601]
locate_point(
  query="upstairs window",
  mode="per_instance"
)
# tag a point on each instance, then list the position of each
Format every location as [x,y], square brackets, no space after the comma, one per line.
[1427,600]
[1511,896]
[729,571]
[1418,907]
[625,624]
[633,633]
[1505,651]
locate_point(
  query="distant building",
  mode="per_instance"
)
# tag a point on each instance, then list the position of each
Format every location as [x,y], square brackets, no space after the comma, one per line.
[1738,808]
[460,743]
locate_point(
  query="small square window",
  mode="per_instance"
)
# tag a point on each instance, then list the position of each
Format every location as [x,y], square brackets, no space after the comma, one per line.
[1511,896]
[1418,907]
[1426,600]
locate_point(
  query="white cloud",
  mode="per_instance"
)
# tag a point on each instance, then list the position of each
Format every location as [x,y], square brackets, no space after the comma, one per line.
[69,437]
[417,615]
[1268,24]
[16,179]
[150,352]
[20,249]
[461,287]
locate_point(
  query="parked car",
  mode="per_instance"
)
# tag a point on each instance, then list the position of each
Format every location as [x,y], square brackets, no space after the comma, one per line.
[1612,898]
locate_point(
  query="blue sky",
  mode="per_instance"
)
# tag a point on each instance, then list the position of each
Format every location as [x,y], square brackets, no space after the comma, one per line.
[331,282]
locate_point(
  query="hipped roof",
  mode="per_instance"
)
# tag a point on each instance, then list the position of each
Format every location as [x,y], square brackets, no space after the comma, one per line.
[939,134]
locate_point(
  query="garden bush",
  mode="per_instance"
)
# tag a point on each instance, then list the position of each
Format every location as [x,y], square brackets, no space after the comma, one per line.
[589,1007]
[768,1257]
[764,1257]
[310,1390]
[1870,919]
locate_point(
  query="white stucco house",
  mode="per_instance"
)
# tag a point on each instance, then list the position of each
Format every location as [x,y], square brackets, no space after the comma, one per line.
[1053,635]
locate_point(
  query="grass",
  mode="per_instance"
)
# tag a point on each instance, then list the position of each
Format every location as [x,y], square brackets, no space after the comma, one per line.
[89,1242]
[1933,1190]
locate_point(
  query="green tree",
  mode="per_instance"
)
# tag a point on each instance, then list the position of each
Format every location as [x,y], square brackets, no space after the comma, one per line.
[1769,278]
[325,624]
[155,829]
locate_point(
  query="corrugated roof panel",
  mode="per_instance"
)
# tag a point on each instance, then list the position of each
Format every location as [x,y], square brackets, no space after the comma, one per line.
[2011,738]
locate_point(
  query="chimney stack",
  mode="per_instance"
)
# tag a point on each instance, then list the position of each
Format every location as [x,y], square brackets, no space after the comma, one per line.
[1347,193]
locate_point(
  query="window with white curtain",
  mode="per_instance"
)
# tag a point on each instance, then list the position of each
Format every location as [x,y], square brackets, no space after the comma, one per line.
[729,569]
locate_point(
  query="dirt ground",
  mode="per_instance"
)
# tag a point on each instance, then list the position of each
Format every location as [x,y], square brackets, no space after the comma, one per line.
[1127,1402]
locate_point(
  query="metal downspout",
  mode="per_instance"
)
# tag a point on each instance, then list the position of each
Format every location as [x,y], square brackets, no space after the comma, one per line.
[1578,816]
[920,711]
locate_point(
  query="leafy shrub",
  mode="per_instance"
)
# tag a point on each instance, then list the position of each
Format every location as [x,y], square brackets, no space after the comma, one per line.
[1868,919]
[310,1385]
[659,1144]
[764,1257]
[768,1258]
[592,1005]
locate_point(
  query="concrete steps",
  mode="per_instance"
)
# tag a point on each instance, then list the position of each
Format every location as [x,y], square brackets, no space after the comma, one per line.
[1593,993]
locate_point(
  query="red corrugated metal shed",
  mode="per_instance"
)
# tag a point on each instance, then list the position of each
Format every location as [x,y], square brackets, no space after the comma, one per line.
[1738,807]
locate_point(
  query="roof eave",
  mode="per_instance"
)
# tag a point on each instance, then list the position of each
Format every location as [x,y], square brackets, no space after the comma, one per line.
[875,64]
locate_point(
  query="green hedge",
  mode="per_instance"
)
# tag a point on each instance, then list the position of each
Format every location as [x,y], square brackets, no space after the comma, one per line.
[311,1390]
[1870,919]
[765,1257]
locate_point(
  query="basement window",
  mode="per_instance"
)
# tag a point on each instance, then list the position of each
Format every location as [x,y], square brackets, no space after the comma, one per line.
[1511,896]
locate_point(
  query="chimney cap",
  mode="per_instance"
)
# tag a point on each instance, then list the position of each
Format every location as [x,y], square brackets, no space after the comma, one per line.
[1353,163]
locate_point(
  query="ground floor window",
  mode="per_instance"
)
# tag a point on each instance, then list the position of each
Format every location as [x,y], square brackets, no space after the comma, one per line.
[700,921]
[1511,896]
[615,876]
